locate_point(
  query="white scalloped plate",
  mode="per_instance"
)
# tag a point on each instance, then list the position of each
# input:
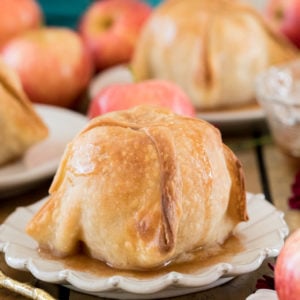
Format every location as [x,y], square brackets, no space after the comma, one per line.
[262,236]
[41,160]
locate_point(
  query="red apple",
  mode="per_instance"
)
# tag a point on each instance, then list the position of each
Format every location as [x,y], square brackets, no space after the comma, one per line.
[152,92]
[53,64]
[110,28]
[17,16]
[287,269]
[284,15]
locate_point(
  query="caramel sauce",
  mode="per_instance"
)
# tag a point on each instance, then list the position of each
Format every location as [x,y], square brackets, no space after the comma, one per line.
[196,260]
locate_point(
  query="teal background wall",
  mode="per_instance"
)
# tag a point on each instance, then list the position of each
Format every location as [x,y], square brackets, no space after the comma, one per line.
[67,12]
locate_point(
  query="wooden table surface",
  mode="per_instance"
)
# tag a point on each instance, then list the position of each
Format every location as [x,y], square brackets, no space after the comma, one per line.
[267,171]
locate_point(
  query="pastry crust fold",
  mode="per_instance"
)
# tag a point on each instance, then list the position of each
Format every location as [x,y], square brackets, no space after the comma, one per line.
[21,127]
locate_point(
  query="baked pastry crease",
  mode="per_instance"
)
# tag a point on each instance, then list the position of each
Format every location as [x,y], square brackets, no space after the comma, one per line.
[137,188]
[20,125]
[212,49]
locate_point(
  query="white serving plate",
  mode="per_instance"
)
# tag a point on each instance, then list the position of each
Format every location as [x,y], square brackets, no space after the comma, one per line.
[233,116]
[42,159]
[262,236]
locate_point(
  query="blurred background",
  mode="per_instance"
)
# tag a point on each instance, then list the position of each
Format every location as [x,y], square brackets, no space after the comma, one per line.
[66,13]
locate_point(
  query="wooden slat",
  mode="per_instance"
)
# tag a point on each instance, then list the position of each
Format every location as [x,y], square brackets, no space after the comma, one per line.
[251,171]
[8,205]
[281,172]
[247,156]
[52,289]
[80,296]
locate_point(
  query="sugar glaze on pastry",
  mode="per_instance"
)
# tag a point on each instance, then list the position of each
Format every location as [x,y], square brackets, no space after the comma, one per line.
[140,187]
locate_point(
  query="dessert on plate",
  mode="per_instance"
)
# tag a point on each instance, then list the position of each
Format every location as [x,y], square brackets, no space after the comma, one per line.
[212,49]
[20,125]
[140,187]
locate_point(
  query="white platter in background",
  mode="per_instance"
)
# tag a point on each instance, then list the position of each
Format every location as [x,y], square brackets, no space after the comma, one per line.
[42,159]
[233,116]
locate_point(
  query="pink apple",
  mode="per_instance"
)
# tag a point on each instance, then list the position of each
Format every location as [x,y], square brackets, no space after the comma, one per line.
[110,28]
[287,269]
[152,92]
[284,15]
[17,16]
[53,64]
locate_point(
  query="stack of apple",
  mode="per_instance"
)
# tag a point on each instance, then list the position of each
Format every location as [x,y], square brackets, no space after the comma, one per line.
[110,29]
[53,64]
[56,65]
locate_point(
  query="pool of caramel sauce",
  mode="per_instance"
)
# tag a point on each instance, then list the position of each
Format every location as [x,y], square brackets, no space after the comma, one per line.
[198,259]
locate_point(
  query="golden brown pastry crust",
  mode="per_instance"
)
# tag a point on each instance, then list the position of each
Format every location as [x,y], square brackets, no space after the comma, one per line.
[212,49]
[20,125]
[140,187]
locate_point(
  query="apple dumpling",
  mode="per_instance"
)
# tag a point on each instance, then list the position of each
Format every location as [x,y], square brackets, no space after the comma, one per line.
[20,126]
[138,188]
[212,49]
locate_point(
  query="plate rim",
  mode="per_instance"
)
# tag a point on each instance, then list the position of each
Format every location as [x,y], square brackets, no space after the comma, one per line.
[233,116]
